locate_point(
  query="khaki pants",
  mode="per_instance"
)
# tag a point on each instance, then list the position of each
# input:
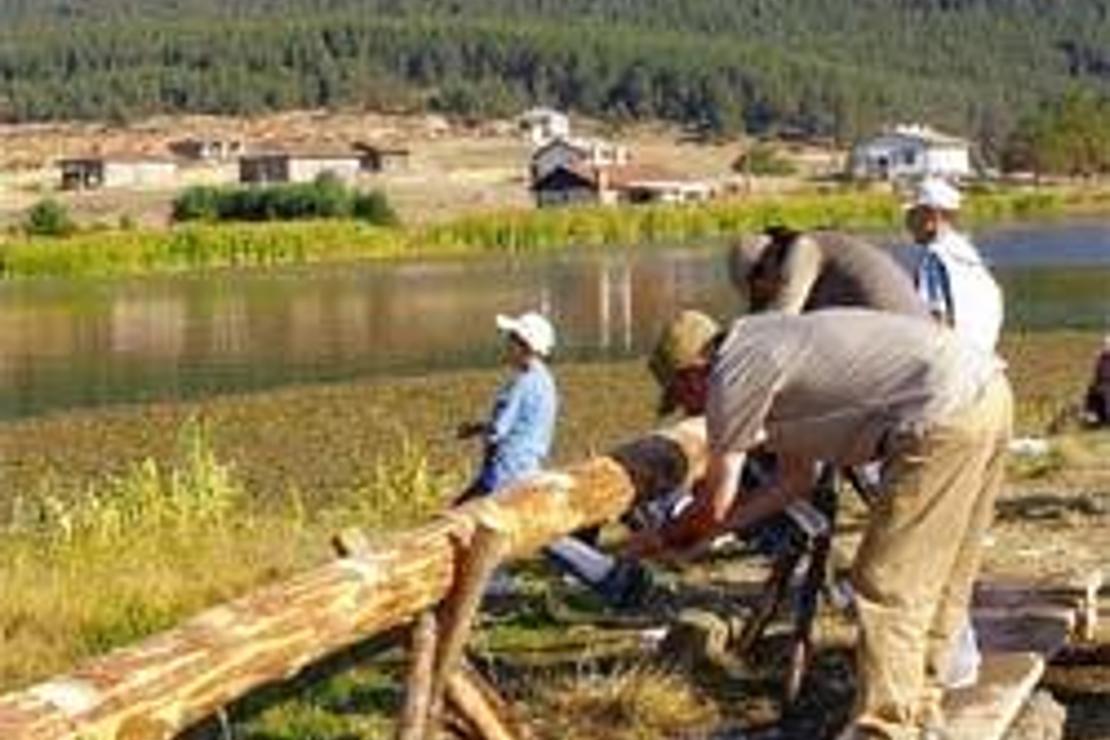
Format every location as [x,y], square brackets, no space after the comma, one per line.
[916,566]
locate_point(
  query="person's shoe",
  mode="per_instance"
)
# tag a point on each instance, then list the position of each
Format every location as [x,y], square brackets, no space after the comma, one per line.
[962,671]
[627,585]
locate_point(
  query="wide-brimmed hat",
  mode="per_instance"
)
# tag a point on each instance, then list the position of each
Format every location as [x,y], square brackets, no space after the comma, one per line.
[682,344]
[532,329]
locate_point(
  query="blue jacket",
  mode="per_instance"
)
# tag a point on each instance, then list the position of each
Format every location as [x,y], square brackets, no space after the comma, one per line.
[521,427]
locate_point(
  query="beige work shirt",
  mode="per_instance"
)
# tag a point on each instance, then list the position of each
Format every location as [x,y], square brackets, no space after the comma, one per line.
[830,385]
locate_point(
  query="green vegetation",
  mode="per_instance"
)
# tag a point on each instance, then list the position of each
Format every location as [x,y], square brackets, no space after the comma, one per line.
[831,68]
[326,198]
[133,517]
[763,159]
[91,568]
[195,247]
[48,218]
[202,246]
[1068,136]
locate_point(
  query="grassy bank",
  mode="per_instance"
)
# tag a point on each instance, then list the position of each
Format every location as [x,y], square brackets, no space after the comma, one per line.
[195,247]
[118,522]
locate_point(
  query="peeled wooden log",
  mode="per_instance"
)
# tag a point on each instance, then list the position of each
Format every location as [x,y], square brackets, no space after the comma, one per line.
[162,685]
[418,686]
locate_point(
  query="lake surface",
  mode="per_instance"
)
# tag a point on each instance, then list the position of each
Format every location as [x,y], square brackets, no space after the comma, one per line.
[68,344]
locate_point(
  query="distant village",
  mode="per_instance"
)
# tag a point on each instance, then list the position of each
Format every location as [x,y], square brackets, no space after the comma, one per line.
[563,168]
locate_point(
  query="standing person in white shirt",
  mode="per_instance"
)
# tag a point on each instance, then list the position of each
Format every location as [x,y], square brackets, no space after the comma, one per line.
[949,273]
[960,292]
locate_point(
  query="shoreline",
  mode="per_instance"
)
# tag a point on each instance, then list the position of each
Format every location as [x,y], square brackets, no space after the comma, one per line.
[197,248]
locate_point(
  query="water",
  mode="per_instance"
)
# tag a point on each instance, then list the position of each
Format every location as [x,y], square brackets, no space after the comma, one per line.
[68,344]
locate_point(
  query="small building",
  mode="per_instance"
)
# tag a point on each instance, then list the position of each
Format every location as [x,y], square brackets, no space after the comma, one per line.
[208,148]
[118,171]
[541,125]
[377,158]
[577,184]
[306,166]
[567,185]
[582,153]
[665,191]
[910,152]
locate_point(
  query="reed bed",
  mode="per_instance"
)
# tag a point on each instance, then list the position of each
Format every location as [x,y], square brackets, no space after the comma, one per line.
[206,246]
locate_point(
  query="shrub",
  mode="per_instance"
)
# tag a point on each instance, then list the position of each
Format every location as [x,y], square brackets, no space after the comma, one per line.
[374,208]
[48,218]
[763,159]
[326,197]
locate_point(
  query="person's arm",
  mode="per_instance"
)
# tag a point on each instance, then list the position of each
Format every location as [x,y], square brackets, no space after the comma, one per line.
[794,482]
[799,273]
[469,429]
[714,497]
[506,409]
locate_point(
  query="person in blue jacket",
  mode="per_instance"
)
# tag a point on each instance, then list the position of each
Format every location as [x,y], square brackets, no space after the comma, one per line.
[518,433]
[517,439]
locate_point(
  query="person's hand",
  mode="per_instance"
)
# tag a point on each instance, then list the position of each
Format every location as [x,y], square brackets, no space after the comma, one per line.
[468,429]
[645,545]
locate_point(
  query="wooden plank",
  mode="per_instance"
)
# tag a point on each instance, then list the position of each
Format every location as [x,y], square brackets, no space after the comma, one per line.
[986,711]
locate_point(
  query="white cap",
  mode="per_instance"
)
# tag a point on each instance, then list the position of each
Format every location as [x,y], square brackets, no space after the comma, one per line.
[532,329]
[933,192]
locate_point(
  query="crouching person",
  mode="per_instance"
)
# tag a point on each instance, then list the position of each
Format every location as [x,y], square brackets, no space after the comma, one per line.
[849,386]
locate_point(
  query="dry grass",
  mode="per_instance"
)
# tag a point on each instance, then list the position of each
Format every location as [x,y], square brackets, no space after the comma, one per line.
[634,703]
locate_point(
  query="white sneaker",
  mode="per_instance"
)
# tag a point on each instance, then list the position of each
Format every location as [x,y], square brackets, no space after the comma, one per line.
[963,664]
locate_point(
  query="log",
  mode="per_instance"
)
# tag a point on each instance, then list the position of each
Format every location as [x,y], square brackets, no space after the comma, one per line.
[472,703]
[162,685]
[418,685]
[456,614]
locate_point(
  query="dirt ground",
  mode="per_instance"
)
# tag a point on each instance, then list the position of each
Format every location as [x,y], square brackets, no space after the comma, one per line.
[454,167]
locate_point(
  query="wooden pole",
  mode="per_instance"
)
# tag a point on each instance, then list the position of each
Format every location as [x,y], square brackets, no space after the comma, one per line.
[472,703]
[418,686]
[456,614]
[158,687]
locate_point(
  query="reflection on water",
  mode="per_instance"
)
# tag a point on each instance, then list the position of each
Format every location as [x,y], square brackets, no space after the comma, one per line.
[75,343]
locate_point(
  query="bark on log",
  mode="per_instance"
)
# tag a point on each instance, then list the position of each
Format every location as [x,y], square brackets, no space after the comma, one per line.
[156,688]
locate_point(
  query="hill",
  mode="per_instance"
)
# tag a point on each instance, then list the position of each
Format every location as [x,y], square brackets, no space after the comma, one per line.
[830,67]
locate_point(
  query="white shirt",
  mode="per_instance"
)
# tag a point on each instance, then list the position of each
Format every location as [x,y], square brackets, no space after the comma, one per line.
[964,293]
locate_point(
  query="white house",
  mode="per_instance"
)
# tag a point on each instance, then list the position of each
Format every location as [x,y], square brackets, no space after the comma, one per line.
[541,125]
[910,152]
[119,171]
[566,153]
[298,166]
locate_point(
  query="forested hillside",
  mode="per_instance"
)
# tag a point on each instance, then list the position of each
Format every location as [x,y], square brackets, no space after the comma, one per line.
[823,66]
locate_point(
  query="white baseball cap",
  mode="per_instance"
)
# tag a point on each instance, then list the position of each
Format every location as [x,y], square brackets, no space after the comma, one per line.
[933,192]
[532,329]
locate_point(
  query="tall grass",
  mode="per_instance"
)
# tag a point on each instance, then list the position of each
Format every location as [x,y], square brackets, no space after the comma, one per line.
[195,247]
[134,553]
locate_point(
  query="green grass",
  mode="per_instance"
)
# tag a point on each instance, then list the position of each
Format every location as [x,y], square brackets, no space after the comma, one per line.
[197,247]
[128,519]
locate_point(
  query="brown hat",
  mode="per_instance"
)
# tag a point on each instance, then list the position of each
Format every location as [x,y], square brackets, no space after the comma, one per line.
[682,344]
